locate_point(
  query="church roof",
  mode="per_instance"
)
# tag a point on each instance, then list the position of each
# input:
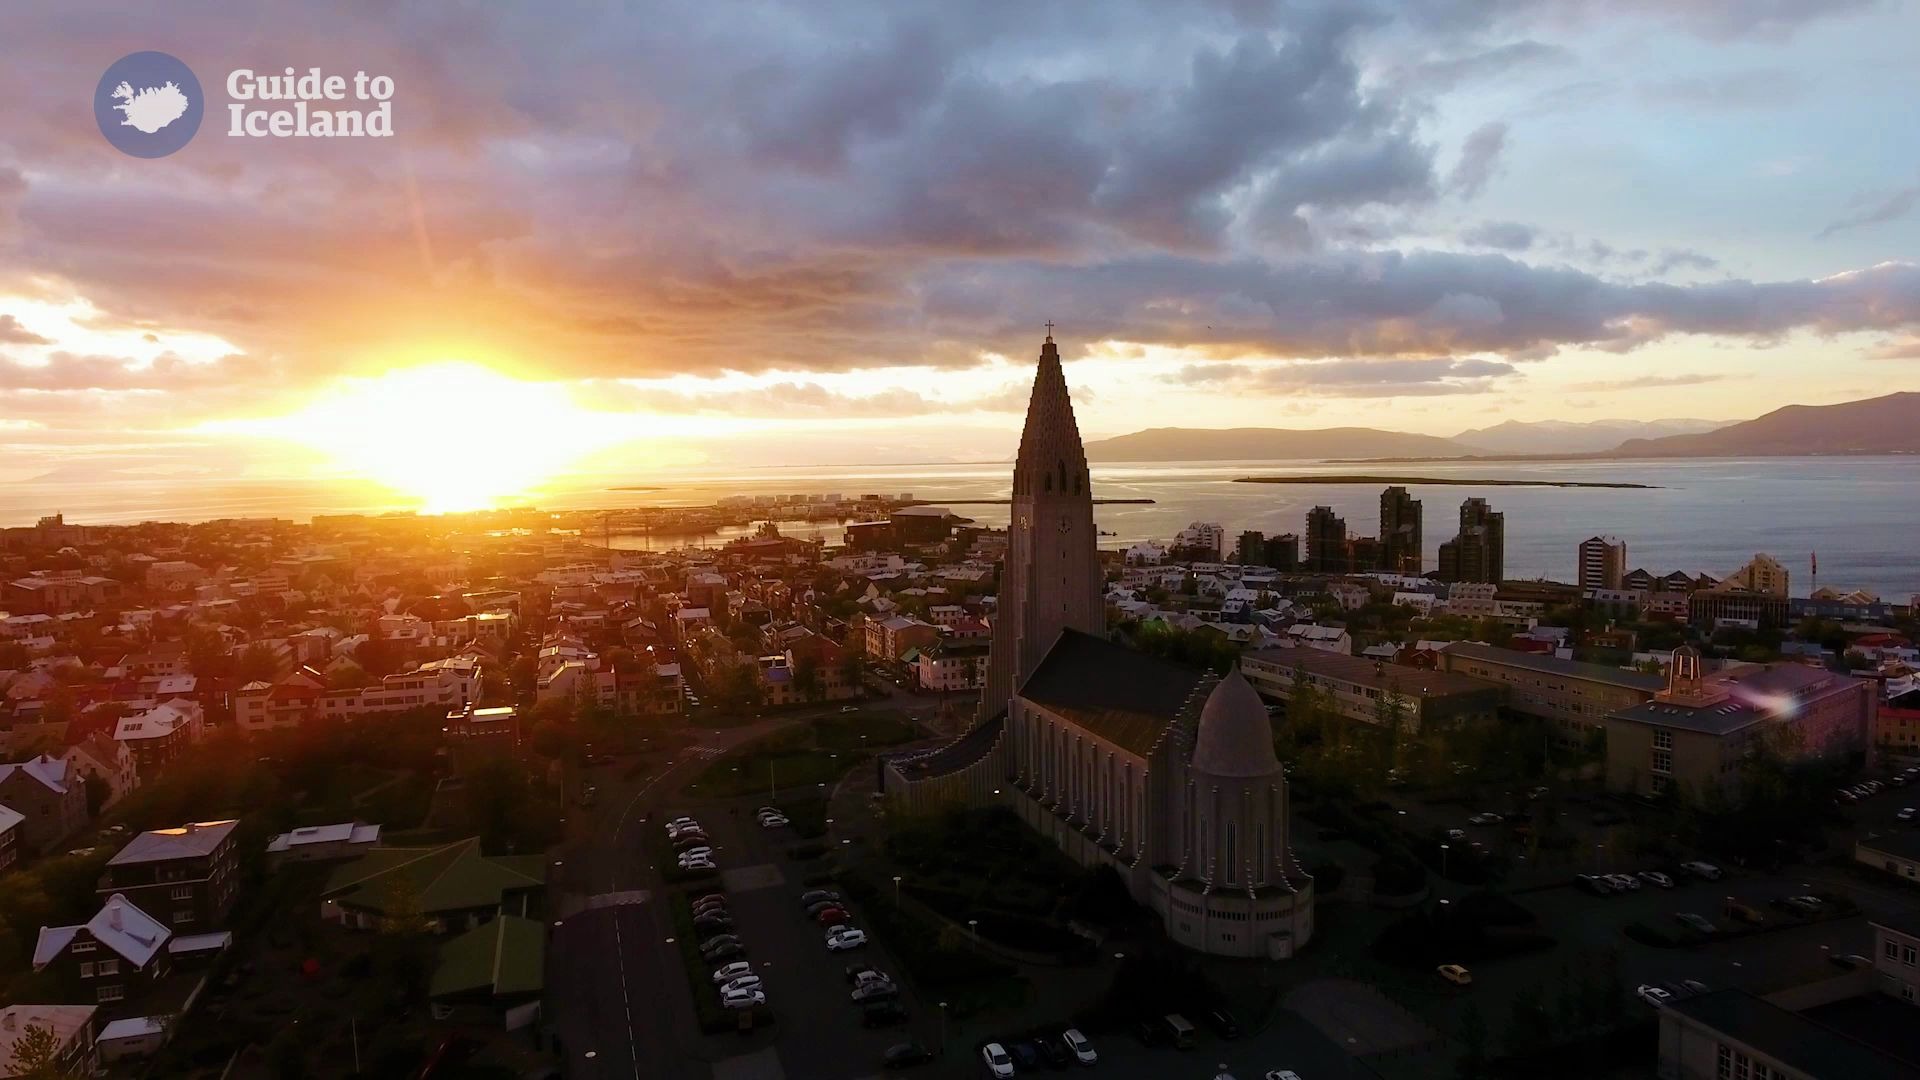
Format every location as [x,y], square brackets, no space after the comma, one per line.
[1236,738]
[1051,456]
[1123,696]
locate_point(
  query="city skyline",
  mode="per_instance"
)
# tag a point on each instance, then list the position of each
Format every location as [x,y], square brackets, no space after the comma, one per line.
[678,241]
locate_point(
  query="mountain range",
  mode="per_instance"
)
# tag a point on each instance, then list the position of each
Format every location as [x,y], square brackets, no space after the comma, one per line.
[1574,437]
[1884,425]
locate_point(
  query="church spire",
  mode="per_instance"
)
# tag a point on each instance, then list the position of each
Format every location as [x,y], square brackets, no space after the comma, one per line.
[1051,458]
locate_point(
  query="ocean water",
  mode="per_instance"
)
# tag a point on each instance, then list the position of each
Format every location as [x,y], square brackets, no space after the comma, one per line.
[1860,514]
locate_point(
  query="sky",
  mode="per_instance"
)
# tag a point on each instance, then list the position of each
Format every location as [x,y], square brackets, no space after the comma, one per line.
[652,236]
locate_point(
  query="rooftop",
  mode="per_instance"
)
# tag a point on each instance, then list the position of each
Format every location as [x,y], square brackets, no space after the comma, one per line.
[1802,1044]
[1123,696]
[1376,674]
[189,841]
[1553,665]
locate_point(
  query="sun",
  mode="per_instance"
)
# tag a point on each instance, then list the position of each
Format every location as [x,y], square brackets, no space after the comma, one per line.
[455,435]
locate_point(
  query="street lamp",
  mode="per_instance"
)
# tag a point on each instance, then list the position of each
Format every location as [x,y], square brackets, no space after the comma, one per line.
[943,1029]
[896,890]
[973,927]
[1443,863]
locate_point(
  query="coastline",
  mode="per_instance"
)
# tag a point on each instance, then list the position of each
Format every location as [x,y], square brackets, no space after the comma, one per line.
[1441,481]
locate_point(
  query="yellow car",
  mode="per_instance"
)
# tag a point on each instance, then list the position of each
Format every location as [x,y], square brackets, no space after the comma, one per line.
[1456,974]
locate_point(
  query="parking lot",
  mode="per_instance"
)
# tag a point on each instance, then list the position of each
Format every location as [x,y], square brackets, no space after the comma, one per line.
[818,1028]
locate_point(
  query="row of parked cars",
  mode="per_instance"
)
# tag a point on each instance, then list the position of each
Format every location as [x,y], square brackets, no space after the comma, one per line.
[1057,1049]
[734,979]
[1608,884]
[1867,789]
[691,848]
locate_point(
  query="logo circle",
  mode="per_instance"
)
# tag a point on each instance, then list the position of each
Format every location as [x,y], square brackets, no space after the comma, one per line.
[148,104]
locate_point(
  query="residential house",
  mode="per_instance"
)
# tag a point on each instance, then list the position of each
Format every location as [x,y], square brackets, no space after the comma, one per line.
[453,887]
[493,975]
[72,1028]
[10,846]
[110,957]
[322,843]
[98,756]
[1375,692]
[188,875]
[160,734]
[50,796]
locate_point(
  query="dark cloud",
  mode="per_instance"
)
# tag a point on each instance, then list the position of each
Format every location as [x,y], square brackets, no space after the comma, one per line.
[1877,211]
[12,333]
[1502,235]
[1479,157]
[827,187]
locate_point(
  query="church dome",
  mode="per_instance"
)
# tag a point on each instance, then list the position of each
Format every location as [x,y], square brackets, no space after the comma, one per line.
[1236,739]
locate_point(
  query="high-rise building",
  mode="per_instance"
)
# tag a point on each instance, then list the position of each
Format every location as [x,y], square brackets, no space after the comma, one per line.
[1400,550]
[1252,550]
[1761,574]
[1052,580]
[1326,541]
[1603,562]
[1365,554]
[1478,552]
[1283,551]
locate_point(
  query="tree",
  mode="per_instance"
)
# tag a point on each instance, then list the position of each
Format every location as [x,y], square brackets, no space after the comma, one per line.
[36,1056]
[256,664]
[806,676]
[853,668]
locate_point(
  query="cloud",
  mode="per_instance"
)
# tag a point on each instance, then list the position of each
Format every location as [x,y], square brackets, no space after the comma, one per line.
[1503,235]
[1646,382]
[1479,157]
[1752,88]
[803,400]
[1436,74]
[1907,349]
[1425,377]
[12,333]
[1888,208]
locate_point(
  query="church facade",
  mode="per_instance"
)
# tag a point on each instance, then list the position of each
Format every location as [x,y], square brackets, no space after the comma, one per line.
[1163,772]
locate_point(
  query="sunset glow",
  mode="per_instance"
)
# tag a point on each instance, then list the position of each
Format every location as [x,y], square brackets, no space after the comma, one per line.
[454,435]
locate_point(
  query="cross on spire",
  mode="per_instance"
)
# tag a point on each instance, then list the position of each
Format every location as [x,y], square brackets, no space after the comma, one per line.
[1049,329]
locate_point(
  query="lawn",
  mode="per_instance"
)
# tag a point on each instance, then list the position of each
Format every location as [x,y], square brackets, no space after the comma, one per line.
[987,866]
[805,756]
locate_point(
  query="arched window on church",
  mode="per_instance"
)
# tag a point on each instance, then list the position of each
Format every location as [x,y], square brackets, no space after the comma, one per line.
[1233,855]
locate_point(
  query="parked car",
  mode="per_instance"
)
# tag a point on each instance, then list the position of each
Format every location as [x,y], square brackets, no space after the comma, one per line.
[1746,913]
[1657,878]
[1536,794]
[743,983]
[774,822]
[833,916]
[1654,996]
[809,899]
[1805,905]
[729,972]
[874,991]
[1222,1022]
[906,1055]
[718,941]
[1053,1051]
[841,938]
[1456,974]
[1845,796]
[1694,986]
[883,1013]
[730,951]
[1705,871]
[1624,882]
[711,898]
[1696,922]
[1456,835]
[1593,883]
[860,969]
[849,708]
[745,999]
[1082,1050]
[1025,1057]
[1850,960]
[1485,819]
[1906,813]
[702,863]
[697,851]
[814,909]
[999,1062]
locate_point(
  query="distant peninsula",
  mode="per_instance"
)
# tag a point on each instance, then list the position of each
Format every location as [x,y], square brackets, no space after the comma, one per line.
[1443,481]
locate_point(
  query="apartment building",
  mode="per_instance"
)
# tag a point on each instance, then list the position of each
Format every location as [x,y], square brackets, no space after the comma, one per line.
[1576,697]
[1367,691]
[186,877]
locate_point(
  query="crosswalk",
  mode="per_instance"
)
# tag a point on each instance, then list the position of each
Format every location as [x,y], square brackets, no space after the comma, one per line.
[707,752]
[618,899]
